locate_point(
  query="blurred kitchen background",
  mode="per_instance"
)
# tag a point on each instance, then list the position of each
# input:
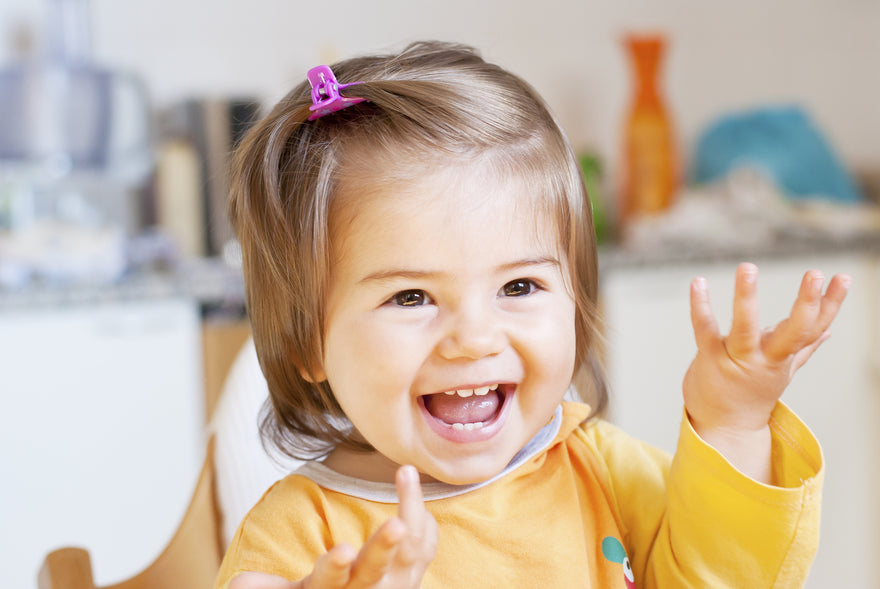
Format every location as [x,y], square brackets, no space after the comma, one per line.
[121,303]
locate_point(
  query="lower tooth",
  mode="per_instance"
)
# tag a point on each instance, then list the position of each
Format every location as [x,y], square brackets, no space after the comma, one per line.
[467,426]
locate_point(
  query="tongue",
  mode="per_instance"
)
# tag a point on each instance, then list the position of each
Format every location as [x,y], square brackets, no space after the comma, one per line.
[454,409]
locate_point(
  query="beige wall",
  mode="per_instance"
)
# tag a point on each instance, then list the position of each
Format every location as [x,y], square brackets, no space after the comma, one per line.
[725,55]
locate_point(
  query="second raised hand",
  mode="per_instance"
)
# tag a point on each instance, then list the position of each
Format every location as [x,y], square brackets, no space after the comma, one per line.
[397,555]
[735,380]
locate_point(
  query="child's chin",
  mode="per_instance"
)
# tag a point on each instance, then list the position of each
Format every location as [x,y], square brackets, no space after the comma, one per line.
[469,474]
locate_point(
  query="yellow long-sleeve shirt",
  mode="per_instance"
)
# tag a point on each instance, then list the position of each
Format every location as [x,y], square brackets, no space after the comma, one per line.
[592,508]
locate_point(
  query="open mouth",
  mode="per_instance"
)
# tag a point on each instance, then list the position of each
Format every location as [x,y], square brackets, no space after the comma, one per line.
[469,413]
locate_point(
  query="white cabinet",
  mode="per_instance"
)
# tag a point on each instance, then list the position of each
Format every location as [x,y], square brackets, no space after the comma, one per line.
[837,392]
[101,436]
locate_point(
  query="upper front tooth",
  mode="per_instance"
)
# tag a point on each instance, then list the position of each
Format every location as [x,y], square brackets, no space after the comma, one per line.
[480,391]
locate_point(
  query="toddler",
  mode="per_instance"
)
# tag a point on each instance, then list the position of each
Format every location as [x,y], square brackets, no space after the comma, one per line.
[421,281]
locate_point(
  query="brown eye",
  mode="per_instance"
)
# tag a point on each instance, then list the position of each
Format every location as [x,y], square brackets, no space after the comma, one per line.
[518,288]
[410,298]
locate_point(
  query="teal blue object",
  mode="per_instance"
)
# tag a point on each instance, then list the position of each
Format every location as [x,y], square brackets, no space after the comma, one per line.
[780,141]
[612,549]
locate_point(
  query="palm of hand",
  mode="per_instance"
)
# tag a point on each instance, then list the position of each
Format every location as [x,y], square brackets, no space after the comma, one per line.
[396,556]
[735,381]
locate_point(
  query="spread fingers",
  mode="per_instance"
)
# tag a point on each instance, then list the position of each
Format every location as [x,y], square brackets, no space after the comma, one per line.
[376,557]
[745,330]
[811,315]
[702,318]
[421,541]
[333,568]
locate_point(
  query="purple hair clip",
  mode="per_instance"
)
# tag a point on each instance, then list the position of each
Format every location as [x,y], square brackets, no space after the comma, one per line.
[325,92]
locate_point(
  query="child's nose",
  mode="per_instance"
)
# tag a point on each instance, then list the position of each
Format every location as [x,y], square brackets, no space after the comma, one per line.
[473,334]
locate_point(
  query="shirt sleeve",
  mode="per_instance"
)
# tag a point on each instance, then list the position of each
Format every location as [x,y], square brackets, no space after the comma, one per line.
[262,540]
[696,521]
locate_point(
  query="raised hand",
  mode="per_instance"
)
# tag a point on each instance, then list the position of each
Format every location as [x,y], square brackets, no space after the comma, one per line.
[396,556]
[735,381]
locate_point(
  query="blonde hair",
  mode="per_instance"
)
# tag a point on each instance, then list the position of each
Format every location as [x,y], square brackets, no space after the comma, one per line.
[432,102]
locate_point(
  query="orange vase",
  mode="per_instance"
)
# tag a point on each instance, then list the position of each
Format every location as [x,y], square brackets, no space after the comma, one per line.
[650,176]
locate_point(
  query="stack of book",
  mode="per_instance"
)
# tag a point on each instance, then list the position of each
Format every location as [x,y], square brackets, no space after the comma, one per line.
[192,182]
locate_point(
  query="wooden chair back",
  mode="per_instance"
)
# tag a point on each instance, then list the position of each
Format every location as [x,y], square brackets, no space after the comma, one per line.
[191,559]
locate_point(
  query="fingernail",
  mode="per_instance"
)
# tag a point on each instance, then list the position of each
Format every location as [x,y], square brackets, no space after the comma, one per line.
[816,281]
[699,284]
[343,555]
[408,473]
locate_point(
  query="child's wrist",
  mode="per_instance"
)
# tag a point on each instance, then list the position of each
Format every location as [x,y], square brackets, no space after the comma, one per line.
[747,448]
[729,417]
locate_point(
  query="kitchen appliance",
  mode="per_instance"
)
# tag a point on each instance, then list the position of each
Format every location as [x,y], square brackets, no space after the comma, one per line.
[75,149]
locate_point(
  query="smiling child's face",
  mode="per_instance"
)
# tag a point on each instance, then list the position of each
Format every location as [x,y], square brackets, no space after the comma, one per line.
[449,334]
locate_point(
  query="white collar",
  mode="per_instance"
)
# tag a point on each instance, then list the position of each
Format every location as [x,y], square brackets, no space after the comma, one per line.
[387,493]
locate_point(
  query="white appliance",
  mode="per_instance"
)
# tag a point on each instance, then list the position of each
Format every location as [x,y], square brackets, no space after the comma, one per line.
[101,432]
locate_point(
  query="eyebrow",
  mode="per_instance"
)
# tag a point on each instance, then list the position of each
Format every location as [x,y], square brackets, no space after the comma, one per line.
[402,273]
